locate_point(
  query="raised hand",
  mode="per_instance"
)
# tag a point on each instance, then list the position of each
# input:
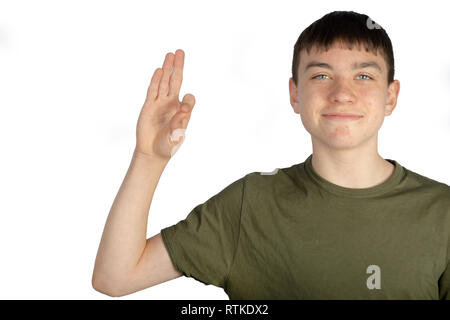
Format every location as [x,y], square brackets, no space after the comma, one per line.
[163,118]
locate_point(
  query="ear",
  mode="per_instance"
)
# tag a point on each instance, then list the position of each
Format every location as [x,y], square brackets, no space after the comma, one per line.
[293,96]
[392,96]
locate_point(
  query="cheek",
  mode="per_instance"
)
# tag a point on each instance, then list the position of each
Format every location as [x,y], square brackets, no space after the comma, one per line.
[308,99]
[308,108]
[375,112]
[373,102]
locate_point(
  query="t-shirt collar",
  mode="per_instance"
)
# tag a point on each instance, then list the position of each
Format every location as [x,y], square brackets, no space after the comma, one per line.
[386,186]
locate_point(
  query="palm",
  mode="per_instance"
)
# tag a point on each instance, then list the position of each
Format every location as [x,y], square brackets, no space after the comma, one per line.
[162,115]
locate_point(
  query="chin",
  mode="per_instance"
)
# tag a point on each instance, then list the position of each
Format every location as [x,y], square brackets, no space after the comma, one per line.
[337,142]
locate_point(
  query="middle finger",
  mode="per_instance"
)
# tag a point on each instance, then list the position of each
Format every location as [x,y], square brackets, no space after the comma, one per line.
[177,75]
[167,69]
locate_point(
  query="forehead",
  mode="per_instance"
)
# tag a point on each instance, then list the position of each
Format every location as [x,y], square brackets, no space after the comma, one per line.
[340,55]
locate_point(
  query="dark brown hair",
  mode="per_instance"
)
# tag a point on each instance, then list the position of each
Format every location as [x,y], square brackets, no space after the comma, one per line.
[347,27]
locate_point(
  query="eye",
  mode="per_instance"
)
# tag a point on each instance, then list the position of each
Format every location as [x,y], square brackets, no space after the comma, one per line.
[319,75]
[365,75]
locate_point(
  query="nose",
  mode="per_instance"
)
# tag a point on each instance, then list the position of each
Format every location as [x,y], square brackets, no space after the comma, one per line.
[341,92]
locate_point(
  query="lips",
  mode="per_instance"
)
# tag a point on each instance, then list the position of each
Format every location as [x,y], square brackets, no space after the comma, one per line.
[341,116]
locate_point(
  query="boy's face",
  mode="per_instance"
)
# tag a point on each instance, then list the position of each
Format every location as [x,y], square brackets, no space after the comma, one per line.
[341,84]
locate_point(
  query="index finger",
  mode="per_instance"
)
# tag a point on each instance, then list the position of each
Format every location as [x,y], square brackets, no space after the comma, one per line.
[177,75]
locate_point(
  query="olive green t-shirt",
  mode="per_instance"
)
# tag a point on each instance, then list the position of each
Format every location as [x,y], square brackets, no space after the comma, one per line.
[291,234]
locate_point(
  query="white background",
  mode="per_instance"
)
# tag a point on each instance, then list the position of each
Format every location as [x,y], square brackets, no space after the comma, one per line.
[73,78]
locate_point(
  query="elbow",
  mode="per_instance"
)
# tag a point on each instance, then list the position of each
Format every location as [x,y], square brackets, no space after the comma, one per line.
[105,286]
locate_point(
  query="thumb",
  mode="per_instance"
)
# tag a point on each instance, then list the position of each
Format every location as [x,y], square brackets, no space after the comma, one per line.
[188,100]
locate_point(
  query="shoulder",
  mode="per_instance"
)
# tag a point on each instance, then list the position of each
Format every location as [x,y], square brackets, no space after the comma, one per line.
[427,184]
[277,178]
[428,191]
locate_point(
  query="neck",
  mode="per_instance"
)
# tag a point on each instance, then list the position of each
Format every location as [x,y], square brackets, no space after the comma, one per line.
[352,168]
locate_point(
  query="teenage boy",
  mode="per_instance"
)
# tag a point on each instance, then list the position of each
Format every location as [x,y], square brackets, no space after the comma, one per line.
[343,224]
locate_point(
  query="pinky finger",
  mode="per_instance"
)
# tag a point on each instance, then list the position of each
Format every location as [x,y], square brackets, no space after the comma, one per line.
[152,91]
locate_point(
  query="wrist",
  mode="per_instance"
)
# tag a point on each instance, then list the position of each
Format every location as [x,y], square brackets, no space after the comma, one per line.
[149,158]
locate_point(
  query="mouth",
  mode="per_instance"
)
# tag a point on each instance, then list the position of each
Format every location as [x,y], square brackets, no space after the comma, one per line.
[341,116]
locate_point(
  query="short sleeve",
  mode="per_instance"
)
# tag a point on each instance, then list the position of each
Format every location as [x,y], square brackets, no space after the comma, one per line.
[444,279]
[202,246]
[444,284]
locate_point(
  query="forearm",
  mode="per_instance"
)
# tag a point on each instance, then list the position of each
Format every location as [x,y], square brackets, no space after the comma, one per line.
[125,232]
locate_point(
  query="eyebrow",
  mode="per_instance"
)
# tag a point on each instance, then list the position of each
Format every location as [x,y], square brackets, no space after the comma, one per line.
[365,64]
